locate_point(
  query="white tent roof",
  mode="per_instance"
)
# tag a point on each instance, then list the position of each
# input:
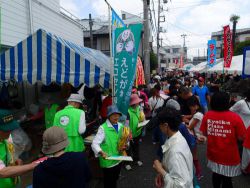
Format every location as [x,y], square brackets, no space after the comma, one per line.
[236,65]
[199,67]
[188,66]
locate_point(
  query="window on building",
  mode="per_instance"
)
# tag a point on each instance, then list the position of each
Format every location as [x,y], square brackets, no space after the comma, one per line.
[124,16]
[175,50]
[104,44]
[168,50]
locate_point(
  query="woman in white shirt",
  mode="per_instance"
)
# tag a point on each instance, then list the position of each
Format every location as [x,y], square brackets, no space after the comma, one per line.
[194,127]
[155,102]
[242,108]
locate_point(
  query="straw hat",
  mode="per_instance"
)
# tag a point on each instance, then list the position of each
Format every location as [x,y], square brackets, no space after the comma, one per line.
[134,99]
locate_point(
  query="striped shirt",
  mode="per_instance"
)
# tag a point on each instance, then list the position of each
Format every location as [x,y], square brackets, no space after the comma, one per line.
[229,171]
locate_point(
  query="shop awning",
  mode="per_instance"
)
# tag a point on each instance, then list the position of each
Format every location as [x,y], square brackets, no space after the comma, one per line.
[48,58]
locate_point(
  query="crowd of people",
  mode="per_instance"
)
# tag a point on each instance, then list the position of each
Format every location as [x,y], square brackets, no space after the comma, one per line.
[181,111]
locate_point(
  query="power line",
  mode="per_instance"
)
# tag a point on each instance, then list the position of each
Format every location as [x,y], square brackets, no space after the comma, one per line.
[183,29]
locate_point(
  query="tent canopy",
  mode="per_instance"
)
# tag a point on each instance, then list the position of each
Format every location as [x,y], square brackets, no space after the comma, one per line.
[202,67]
[236,65]
[199,67]
[188,66]
[48,58]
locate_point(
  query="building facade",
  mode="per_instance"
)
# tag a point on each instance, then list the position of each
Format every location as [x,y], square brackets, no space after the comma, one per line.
[241,35]
[20,18]
[100,32]
[170,56]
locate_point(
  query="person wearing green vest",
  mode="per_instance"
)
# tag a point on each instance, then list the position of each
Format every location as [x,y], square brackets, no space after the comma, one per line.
[10,168]
[133,118]
[105,144]
[72,120]
[50,110]
[49,113]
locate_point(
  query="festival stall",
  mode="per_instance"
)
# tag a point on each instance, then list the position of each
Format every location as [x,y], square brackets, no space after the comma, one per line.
[236,66]
[203,67]
[48,58]
[40,61]
[188,67]
[199,67]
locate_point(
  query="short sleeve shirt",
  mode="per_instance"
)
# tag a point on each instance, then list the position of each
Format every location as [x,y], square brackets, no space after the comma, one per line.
[223,129]
[198,116]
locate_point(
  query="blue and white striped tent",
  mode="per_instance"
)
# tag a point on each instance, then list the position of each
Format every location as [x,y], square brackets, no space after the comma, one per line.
[48,58]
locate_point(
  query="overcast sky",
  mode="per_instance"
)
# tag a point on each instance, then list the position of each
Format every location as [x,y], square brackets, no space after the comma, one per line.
[195,18]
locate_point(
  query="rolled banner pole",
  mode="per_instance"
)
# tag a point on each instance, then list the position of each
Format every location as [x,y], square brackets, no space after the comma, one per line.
[111,53]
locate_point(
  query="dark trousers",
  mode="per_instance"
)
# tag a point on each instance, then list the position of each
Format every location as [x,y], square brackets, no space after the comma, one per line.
[220,181]
[111,176]
[134,148]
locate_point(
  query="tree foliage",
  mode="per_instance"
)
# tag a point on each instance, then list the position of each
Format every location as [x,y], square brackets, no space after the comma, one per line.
[153,61]
[240,46]
[234,18]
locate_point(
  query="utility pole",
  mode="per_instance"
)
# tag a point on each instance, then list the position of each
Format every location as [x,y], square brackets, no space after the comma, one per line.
[161,40]
[90,31]
[160,9]
[184,39]
[146,41]
[158,35]
[184,48]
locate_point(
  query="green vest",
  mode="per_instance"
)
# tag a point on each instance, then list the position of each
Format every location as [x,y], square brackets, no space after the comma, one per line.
[134,115]
[50,114]
[5,157]
[69,119]
[110,145]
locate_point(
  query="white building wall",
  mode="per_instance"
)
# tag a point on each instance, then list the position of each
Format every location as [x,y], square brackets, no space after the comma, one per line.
[243,37]
[56,23]
[45,14]
[14,18]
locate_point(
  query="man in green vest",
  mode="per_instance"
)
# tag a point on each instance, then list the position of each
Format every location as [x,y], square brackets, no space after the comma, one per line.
[105,144]
[49,113]
[72,120]
[10,168]
[50,110]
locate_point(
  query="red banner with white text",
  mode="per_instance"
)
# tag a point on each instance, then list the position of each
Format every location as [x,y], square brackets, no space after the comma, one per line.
[228,47]
[181,62]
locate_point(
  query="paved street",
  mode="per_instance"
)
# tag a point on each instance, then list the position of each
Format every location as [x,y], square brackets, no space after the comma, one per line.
[143,177]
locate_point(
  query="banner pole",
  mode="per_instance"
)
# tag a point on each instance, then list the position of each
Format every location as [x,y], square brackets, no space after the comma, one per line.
[111,54]
[0,28]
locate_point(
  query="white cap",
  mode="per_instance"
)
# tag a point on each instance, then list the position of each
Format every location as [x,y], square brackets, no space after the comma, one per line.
[75,98]
[157,77]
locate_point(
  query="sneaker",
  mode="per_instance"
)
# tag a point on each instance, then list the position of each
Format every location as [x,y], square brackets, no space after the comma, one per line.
[139,163]
[128,167]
